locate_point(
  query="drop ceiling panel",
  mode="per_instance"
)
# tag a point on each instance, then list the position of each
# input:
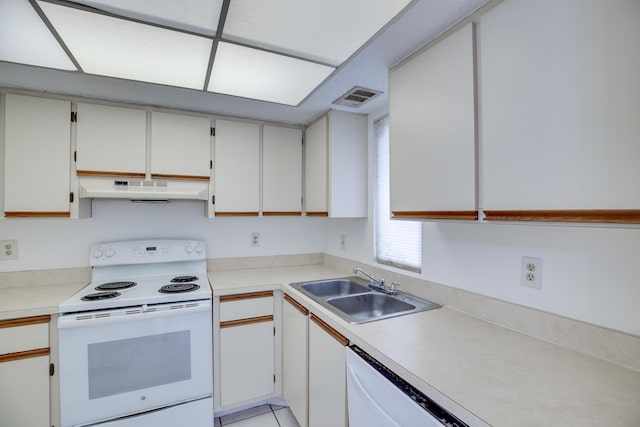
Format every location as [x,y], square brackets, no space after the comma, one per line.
[199,16]
[329,31]
[252,73]
[120,48]
[24,38]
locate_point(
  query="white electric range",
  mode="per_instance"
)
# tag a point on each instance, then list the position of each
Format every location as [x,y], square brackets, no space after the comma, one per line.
[135,344]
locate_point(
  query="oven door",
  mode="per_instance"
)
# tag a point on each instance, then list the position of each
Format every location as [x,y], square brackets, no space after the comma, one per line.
[119,362]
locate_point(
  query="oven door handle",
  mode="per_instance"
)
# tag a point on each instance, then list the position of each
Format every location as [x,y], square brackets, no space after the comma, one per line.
[131,314]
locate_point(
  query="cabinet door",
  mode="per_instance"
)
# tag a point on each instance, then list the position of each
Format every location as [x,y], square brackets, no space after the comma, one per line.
[315,169]
[24,371]
[432,132]
[560,109]
[237,168]
[37,156]
[348,165]
[294,358]
[246,362]
[281,171]
[327,376]
[24,392]
[111,141]
[180,146]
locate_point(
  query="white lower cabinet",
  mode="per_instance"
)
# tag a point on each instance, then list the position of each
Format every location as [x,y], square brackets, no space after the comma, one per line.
[246,356]
[24,372]
[327,375]
[295,381]
[314,368]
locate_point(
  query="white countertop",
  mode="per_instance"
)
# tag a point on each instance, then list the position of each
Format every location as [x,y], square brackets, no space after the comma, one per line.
[484,373]
[27,301]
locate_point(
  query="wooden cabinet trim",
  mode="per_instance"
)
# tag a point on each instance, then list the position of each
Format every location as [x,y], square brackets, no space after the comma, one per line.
[44,214]
[28,354]
[328,329]
[237,214]
[24,321]
[180,177]
[456,215]
[251,295]
[296,304]
[621,216]
[317,213]
[281,213]
[110,174]
[248,321]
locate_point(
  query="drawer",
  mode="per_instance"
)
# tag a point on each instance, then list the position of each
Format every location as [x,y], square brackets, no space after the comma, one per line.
[24,334]
[246,306]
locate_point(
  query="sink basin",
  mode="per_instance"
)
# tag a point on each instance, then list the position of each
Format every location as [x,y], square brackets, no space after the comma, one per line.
[334,287]
[353,300]
[369,306]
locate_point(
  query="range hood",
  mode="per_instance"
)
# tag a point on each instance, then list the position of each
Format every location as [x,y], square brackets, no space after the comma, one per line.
[142,189]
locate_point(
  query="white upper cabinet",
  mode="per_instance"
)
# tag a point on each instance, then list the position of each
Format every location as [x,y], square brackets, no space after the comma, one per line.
[236,168]
[335,161]
[560,108]
[315,168]
[180,146]
[281,171]
[111,141]
[37,156]
[432,131]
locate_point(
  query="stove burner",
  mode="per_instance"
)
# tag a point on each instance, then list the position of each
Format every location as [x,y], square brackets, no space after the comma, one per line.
[112,286]
[178,287]
[184,279]
[100,296]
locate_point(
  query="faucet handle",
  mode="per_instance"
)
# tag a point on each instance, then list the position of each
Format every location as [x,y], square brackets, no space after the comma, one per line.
[394,286]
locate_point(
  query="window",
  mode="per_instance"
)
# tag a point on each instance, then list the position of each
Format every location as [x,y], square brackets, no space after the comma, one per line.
[398,243]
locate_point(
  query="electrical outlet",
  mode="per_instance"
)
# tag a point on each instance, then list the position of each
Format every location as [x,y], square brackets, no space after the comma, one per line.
[9,250]
[255,240]
[531,272]
[343,241]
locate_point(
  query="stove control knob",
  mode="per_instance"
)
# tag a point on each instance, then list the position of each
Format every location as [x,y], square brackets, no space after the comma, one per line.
[110,252]
[188,249]
[98,253]
[199,249]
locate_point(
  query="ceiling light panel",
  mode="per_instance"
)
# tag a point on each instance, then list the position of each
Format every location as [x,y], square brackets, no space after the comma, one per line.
[25,39]
[252,73]
[328,31]
[120,48]
[200,16]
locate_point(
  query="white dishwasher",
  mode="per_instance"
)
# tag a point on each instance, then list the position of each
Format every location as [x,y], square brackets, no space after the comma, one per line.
[377,397]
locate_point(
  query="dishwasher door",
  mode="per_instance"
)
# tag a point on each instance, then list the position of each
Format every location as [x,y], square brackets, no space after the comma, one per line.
[379,398]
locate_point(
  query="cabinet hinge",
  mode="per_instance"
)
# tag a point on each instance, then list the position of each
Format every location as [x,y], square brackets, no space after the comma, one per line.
[71,197]
[213,200]
[74,117]
[213,131]
[52,369]
[274,378]
[274,331]
[75,156]
[210,164]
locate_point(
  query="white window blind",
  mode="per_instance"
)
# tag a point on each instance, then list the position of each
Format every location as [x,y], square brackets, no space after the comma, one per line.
[398,243]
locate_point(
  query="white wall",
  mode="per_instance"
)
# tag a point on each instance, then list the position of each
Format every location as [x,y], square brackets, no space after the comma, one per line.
[589,273]
[63,243]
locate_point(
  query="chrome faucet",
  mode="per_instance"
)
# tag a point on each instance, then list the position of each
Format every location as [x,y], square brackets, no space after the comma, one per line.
[376,284]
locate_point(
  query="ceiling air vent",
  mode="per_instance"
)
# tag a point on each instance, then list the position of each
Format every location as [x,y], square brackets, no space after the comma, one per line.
[356,97]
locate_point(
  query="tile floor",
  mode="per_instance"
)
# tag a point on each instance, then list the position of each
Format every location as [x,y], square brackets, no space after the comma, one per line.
[261,416]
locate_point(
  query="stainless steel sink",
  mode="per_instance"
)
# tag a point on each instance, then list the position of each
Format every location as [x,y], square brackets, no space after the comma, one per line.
[352,299]
[334,287]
